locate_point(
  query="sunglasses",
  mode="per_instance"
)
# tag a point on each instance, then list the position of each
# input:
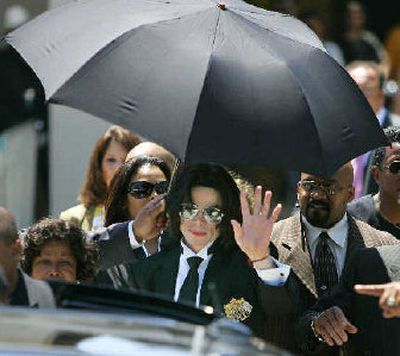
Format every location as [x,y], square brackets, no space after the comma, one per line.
[393,168]
[311,186]
[143,189]
[212,214]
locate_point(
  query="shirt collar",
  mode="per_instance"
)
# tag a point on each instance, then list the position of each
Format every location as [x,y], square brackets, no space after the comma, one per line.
[338,232]
[203,253]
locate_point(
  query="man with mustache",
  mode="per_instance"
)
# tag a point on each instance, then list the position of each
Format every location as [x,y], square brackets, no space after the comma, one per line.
[316,244]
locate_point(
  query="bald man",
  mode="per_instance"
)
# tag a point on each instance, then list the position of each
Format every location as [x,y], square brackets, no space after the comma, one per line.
[17,287]
[315,243]
[152,149]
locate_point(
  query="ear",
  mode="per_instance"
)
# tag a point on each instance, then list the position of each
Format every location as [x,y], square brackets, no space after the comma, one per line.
[351,194]
[375,171]
[17,249]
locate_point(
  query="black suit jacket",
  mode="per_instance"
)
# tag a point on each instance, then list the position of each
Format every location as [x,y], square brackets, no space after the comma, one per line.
[377,335]
[228,275]
[364,209]
[114,246]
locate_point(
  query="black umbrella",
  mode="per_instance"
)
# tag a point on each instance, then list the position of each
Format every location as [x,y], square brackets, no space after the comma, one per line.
[212,82]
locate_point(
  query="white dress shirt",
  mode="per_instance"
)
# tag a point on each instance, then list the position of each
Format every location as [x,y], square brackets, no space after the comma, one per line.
[184,268]
[135,244]
[337,241]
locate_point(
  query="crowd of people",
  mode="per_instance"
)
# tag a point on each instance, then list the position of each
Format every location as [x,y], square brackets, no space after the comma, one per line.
[325,280]
[192,235]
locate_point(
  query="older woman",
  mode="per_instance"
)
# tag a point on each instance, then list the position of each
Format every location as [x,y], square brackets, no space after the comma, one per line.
[107,157]
[56,249]
[206,266]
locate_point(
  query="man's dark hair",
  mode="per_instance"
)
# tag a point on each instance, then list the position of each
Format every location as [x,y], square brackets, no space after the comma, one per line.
[393,135]
[8,227]
[206,175]
[47,230]
[116,207]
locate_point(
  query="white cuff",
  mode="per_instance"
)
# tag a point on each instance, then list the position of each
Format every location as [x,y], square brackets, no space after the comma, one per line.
[275,277]
[132,239]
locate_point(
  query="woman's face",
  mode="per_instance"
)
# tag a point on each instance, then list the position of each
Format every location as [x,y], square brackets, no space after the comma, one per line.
[55,261]
[198,232]
[147,173]
[113,158]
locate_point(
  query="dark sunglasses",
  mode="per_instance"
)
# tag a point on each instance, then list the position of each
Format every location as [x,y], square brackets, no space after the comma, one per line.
[143,189]
[393,168]
[212,214]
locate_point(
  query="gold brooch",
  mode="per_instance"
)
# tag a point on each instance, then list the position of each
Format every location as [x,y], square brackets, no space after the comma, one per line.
[238,309]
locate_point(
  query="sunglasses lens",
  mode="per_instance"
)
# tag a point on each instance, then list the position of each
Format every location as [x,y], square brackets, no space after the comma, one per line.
[213,215]
[140,190]
[161,187]
[188,211]
[394,167]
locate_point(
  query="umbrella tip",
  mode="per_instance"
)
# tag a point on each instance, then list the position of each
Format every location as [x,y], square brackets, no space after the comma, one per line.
[221,5]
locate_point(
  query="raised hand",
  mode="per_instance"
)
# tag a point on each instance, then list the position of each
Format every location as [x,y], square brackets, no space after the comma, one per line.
[388,294]
[150,220]
[253,236]
[332,327]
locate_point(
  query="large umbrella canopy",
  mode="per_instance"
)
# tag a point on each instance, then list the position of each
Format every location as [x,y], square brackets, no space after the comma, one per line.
[226,83]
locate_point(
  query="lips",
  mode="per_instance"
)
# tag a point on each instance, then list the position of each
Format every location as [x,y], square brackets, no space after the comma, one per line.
[318,205]
[198,233]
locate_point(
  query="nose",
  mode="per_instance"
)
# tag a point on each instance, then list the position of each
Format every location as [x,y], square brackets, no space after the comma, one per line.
[54,272]
[153,194]
[318,192]
[200,217]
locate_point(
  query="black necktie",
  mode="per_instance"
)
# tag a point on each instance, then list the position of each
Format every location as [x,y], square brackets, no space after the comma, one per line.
[189,288]
[324,265]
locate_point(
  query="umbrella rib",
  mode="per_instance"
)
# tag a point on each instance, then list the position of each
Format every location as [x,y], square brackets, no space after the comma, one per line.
[206,71]
[106,45]
[247,22]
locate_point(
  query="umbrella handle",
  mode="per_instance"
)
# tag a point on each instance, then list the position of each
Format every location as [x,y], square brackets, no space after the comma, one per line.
[174,173]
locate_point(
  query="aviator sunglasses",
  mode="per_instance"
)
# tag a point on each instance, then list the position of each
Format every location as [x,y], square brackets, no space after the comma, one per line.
[143,189]
[393,168]
[212,214]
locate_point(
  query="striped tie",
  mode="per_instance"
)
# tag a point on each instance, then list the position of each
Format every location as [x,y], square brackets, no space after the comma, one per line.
[324,265]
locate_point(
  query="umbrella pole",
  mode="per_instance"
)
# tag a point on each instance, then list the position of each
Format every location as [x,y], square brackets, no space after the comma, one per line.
[174,174]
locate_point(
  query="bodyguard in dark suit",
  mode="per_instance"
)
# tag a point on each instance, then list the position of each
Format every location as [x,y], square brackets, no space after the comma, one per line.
[206,266]
[317,244]
[354,317]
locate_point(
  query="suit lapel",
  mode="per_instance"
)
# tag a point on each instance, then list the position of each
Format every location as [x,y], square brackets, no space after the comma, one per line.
[209,292]
[166,273]
[294,252]
[354,239]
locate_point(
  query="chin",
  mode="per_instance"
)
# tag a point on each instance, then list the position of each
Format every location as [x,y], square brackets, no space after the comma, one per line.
[317,220]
